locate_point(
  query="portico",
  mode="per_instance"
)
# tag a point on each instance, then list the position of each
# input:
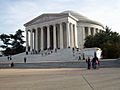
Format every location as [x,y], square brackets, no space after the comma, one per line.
[58,31]
[56,36]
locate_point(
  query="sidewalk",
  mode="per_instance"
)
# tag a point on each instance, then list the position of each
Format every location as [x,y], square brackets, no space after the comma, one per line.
[106,63]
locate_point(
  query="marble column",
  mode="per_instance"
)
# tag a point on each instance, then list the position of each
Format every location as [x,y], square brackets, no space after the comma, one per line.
[72,38]
[94,32]
[54,36]
[83,34]
[68,33]
[42,39]
[48,37]
[31,40]
[36,31]
[27,41]
[34,39]
[76,40]
[83,37]
[89,32]
[61,36]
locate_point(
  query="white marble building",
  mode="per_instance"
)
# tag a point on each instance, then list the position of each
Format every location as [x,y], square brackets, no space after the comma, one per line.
[59,30]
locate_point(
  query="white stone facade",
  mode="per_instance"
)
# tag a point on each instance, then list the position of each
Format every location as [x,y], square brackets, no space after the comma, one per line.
[59,30]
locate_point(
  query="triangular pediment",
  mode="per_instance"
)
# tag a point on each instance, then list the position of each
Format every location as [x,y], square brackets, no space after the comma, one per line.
[44,18]
[52,16]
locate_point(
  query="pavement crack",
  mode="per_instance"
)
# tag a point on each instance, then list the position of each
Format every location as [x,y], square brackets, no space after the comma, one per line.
[88,82]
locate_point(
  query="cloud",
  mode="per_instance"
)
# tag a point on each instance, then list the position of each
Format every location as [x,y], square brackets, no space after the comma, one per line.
[14,13]
[106,12]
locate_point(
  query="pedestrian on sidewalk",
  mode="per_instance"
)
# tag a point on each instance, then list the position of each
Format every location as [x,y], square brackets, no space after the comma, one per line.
[12,65]
[94,60]
[88,61]
[25,59]
[98,63]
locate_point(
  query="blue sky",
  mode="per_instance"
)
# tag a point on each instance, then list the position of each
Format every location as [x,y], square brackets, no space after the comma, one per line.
[14,13]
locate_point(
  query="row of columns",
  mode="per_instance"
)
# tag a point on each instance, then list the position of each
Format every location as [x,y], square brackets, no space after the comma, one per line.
[91,31]
[70,37]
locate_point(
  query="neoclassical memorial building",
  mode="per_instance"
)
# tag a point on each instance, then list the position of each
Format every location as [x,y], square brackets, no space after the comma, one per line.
[59,30]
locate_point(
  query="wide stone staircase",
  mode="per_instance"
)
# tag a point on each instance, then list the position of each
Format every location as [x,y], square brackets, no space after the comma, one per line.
[45,59]
[45,56]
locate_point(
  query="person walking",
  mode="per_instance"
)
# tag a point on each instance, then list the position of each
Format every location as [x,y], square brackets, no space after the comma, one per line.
[24,59]
[97,63]
[88,61]
[12,64]
[94,60]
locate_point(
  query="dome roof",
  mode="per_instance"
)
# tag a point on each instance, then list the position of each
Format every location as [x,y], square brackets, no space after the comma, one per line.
[75,14]
[81,17]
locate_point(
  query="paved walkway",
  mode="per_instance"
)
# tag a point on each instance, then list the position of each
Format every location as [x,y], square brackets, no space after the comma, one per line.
[105,63]
[60,79]
[64,78]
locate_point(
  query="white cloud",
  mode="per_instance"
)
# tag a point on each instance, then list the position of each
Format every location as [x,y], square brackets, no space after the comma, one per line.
[17,12]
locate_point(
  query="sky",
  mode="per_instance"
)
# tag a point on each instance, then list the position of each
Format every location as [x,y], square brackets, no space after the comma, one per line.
[15,13]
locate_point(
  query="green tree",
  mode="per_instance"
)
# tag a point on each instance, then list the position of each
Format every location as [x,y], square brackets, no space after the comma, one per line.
[17,39]
[13,43]
[108,41]
[111,50]
[5,39]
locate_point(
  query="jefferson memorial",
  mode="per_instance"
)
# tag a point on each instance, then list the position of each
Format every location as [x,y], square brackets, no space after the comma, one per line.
[67,29]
